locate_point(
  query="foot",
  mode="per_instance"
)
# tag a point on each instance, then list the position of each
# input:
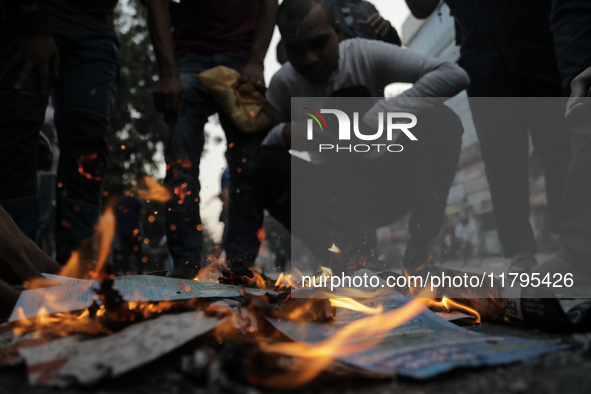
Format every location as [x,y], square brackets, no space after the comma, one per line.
[416,259]
[563,263]
[184,272]
[523,262]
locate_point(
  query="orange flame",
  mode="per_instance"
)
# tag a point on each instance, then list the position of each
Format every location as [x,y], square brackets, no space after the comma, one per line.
[451,305]
[182,192]
[349,303]
[154,191]
[258,279]
[356,337]
[85,159]
[284,280]
[334,249]
[104,232]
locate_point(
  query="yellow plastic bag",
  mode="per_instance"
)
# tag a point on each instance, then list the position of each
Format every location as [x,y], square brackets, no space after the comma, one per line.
[247,107]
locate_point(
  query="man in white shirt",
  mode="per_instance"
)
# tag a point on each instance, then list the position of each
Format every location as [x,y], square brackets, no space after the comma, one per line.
[322,66]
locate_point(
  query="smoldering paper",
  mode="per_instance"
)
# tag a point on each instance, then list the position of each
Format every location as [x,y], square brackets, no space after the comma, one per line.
[76,294]
[63,361]
[423,347]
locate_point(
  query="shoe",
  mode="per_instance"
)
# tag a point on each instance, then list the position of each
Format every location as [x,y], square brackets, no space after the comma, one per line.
[184,272]
[563,263]
[523,262]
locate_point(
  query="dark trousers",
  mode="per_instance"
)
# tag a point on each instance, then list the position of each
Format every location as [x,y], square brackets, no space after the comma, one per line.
[82,96]
[345,201]
[571,26]
[130,245]
[183,154]
[504,126]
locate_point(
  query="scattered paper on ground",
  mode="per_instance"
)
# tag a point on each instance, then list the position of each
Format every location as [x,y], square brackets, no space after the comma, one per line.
[423,347]
[77,294]
[62,361]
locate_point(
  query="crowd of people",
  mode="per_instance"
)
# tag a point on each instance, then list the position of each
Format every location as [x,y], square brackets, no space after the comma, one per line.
[67,50]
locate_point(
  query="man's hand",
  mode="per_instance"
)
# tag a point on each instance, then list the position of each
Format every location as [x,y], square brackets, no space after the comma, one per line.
[33,54]
[20,258]
[21,262]
[169,96]
[578,103]
[379,24]
[253,72]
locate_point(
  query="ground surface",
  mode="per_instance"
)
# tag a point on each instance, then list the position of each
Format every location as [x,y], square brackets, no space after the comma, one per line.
[560,372]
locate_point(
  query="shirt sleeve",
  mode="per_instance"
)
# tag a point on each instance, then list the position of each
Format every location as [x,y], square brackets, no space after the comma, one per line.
[281,103]
[434,80]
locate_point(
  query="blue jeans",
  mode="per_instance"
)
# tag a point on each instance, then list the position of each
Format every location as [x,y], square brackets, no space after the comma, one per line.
[82,96]
[183,153]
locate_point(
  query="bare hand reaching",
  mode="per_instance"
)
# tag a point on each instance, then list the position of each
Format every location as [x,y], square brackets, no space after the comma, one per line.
[578,103]
[169,96]
[253,73]
[380,25]
[20,261]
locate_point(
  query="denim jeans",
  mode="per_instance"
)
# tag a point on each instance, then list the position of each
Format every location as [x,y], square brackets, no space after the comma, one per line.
[571,27]
[183,154]
[82,96]
[503,133]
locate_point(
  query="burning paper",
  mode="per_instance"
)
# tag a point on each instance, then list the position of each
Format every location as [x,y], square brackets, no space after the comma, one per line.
[77,294]
[424,346]
[60,362]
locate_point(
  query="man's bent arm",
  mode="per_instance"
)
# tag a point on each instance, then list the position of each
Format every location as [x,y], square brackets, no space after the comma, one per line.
[263,31]
[161,34]
[169,95]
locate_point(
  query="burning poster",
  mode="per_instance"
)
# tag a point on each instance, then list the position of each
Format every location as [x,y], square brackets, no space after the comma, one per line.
[86,361]
[422,347]
[77,294]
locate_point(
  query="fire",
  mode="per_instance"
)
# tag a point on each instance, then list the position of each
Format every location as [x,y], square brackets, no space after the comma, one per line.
[258,279]
[182,192]
[210,273]
[83,160]
[451,305]
[105,232]
[154,190]
[334,249]
[284,280]
[349,303]
[297,281]
[355,337]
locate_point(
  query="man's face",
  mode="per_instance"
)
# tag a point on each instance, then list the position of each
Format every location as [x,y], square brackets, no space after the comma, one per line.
[312,45]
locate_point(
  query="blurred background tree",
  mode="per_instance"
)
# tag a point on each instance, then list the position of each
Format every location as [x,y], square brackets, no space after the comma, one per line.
[138,132]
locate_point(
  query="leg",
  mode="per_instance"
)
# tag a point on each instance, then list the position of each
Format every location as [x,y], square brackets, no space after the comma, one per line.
[551,143]
[126,251]
[271,179]
[432,169]
[504,144]
[21,117]
[183,154]
[245,210]
[82,96]
[575,224]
